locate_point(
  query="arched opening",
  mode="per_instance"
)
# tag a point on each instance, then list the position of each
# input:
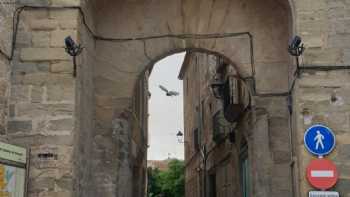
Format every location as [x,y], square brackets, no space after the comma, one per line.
[165,156]
[215,101]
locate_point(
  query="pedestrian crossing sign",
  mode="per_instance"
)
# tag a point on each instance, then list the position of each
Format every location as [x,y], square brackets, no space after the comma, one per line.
[319,140]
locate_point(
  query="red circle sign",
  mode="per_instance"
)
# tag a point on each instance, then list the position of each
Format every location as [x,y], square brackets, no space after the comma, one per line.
[322,174]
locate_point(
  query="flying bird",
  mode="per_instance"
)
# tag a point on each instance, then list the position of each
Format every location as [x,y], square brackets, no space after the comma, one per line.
[169,93]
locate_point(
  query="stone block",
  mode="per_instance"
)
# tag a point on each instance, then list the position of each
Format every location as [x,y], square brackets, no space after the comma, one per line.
[3,67]
[311,5]
[31,110]
[71,24]
[326,57]
[43,66]
[313,27]
[43,54]
[344,170]
[43,24]
[346,56]
[65,2]
[343,153]
[64,15]
[12,111]
[339,40]
[336,13]
[62,67]
[19,93]
[24,39]
[65,183]
[35,2]
[314,41]
[26,140]
[61,109]
[24,68]
[59,93]
[3,88]
[104,142]
[35,78]
[41,184]
[343,187]
[56,194]
[36,94]
[280,157]
[41,38]
[66,124]
[19,126]
[324,79]
[58,36]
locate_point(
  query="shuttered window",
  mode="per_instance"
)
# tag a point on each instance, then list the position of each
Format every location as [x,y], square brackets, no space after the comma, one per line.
[245,173]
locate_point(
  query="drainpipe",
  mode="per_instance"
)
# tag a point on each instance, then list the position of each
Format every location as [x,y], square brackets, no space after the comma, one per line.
[291,143]
[204,155]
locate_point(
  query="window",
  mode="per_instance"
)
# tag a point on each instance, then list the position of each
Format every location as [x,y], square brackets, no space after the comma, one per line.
[196,139]
[244,169]
[212,185]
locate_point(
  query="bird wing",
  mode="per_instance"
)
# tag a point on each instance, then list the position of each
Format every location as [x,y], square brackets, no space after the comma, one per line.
[173,93]
[163,88]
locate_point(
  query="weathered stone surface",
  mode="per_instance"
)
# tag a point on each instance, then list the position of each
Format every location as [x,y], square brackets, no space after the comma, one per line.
[37,93]
[19,93]
[62,67]
[19,126]
[41,79]
[343,153]
[41,38]
[61,125]
[42,90]
[43,54]
[41,184]
[60,93]
[342,187]
[65,16]
[43,24]
[56,194]
[58,36]
[65,2]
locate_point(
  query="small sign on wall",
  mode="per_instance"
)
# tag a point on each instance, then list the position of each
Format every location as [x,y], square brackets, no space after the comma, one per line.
[13,160]
[13,153]
[323,194]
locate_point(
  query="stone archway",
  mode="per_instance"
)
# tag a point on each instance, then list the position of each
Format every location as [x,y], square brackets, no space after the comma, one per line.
[130,36]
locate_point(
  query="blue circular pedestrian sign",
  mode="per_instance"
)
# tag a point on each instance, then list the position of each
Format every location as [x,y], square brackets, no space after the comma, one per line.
[319,140]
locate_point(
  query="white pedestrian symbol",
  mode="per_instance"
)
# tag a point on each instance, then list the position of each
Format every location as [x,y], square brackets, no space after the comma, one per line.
[319,140]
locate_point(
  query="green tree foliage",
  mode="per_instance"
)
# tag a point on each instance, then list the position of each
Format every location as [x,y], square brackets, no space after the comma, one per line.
[170,183]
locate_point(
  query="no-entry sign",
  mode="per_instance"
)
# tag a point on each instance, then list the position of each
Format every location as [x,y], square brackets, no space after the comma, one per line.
[322,174]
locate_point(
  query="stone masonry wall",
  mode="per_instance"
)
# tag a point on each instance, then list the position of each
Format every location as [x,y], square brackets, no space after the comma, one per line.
[6,14]
[42,98]
[324,97]
[85,119]
[39,100]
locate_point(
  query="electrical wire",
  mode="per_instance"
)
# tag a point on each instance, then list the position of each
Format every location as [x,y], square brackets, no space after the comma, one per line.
[18,11]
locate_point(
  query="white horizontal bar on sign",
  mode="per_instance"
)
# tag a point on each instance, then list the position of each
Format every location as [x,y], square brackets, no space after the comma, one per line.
[323,194]
[322,173]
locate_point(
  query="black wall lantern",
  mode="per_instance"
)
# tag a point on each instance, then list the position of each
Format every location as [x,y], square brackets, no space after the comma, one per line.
[296,48]
[180,137]
[73,50]
[230,92]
